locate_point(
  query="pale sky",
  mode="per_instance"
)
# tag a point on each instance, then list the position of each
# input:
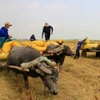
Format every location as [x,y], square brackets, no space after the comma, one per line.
[71,19]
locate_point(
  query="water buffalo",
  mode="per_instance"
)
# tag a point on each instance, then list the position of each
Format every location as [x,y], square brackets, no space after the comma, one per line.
[60,56]
[19,55]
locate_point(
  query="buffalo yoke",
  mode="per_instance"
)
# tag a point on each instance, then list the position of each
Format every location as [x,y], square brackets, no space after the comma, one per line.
[35,62]
[56,51]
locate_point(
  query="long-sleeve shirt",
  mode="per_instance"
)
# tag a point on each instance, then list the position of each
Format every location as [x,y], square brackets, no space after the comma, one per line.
[4,32]
[47,30]
[79,44]
[32,38]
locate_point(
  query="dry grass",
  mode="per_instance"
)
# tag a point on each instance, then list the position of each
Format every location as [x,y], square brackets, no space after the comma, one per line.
[78,80]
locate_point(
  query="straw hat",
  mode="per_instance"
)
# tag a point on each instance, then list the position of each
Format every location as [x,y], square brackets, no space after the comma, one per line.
[8,23]
[59,40]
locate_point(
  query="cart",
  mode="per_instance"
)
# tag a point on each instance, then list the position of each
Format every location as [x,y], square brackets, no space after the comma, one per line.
[84,51]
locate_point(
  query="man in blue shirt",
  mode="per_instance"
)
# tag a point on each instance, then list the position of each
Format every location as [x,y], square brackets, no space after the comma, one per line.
[4,34]
[47,30]
[32,38]
[77,55]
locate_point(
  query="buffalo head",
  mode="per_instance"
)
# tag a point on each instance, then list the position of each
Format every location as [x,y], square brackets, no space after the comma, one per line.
[50,79]
[68,51]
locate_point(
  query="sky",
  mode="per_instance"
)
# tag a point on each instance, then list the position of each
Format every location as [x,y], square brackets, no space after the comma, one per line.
[71,19]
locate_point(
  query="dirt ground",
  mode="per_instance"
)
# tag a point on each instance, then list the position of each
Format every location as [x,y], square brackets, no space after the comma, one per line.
[79,79]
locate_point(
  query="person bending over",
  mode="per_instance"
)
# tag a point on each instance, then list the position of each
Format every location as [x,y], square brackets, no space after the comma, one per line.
[47,30]
[32,38]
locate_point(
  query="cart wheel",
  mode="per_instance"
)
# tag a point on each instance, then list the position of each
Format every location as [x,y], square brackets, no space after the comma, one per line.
[83,53]
[97,54]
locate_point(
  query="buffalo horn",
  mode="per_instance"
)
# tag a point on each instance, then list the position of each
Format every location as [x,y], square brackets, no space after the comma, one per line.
[39,72]
[44,69]
[18,68]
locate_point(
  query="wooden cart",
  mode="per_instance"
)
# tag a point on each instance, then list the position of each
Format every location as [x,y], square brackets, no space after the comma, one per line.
[84,52]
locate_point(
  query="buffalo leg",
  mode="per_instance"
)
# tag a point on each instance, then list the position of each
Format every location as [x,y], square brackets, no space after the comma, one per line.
[26,80]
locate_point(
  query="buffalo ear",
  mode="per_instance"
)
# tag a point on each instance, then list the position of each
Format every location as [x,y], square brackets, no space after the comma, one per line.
[39,72]
[44,69]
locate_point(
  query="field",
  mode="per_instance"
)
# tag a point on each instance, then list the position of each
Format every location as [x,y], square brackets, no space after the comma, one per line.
[79,79]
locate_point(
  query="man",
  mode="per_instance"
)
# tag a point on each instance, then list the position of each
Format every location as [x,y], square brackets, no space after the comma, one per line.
[4,34]
[47,30]
[77,55]
[32,38]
